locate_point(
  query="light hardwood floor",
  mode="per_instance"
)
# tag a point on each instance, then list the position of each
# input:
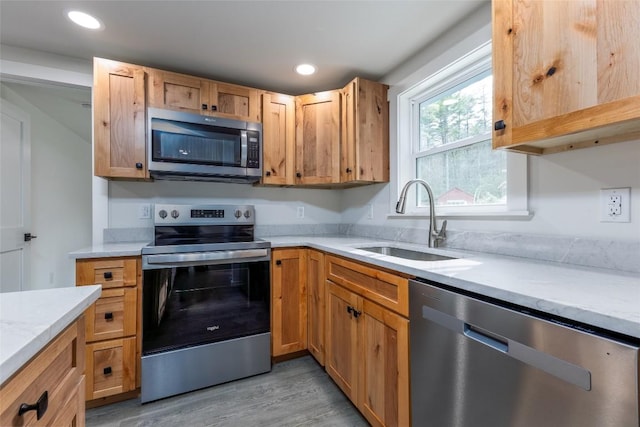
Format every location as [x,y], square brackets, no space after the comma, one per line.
[295,393]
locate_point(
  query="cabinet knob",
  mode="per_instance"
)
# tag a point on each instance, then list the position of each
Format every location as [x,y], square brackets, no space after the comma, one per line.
[108,316]
[107,275]
[349,309]
[278,262]
[214,108]
[205,106]
[138,165]
[348,170]
[298,175]
[268,173]
[499,125]
[107,370]
[551,71]
[40,406]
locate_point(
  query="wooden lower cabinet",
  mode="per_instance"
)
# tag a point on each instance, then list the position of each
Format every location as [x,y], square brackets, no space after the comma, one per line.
[384,366]
[111,367]
[113,328]
[316,297]
[368,356]
[58,371]
[367,344]
[343,356]
[288,302]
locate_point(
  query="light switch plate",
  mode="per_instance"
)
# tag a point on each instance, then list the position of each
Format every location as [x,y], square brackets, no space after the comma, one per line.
[615,205]
[144,211]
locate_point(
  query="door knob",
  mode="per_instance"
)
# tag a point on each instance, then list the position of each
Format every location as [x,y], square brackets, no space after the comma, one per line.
[28,237]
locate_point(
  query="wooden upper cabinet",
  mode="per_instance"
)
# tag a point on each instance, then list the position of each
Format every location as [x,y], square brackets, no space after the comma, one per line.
[278,137]
[565,74]
[119,115]
[202,96]
[178,92]
[365,132]
[235,102]
[318,138]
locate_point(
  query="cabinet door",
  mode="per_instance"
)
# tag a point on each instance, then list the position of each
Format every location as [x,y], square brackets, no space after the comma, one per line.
[108,272]
[565,75]
[178,92]
[289,302]
[113,315]
[119,111]
[234,102]
[365,132]
[278,137]
[342,357]
[316,288]
[384,381]
[111,367]
[318,138]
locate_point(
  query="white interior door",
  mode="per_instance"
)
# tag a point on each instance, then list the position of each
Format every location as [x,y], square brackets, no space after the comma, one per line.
[15,186]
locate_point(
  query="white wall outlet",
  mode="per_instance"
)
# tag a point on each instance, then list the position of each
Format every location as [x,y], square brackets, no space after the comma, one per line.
[144,211]
[370,211]
[615,205]
[300,212]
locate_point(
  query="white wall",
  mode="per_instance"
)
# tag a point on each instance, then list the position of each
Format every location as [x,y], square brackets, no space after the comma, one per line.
[60,196]
[274,206]
[564,188]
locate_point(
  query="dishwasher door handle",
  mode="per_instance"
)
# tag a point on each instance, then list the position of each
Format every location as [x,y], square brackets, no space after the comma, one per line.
[474,334]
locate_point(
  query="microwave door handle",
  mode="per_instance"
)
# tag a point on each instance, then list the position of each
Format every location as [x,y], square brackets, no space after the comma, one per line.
[243,148]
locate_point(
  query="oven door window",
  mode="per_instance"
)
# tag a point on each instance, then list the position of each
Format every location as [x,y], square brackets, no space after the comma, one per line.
[179,142]
[188,306]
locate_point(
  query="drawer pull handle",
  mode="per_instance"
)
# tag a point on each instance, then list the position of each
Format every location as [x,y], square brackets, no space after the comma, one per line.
[107,370]
[40,406]
[108,316]
[108,275]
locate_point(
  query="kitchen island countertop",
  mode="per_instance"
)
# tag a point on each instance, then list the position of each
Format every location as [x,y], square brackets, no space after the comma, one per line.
[602,298]
[29,320]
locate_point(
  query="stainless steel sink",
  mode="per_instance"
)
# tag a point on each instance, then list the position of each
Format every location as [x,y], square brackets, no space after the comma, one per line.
[406,253]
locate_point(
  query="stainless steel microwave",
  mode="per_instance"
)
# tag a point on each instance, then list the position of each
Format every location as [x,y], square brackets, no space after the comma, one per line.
[185,146]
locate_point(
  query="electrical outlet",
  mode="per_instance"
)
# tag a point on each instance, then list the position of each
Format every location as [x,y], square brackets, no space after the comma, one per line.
[615,205]
[144,211]
[300,212]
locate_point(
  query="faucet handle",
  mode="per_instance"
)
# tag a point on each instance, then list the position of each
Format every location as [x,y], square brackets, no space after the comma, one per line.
[442,234]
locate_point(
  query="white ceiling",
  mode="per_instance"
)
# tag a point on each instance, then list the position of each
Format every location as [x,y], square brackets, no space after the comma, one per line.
[256,43]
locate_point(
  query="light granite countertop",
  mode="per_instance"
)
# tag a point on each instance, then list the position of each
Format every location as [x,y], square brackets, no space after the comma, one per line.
[599,297]
[29,320]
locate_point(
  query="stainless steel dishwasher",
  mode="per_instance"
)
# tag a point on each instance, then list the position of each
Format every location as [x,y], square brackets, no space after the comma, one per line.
[481,363]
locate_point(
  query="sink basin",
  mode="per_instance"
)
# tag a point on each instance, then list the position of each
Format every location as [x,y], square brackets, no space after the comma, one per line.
[406,253]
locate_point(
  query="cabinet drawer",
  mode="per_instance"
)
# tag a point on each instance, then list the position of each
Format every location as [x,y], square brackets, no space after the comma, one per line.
[56,370]
[387,289]
[111,367]
[108,272]
[113,315]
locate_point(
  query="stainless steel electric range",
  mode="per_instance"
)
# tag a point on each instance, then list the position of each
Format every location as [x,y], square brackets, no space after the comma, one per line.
[206,294]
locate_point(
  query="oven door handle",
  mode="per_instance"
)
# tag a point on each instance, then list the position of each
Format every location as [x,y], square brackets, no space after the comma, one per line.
[199,258]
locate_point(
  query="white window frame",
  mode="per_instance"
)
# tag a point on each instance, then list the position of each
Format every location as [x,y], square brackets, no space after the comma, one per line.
[409,100]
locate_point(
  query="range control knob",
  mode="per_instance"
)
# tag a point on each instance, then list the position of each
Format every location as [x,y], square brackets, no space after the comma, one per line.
[175,214]
[237,213]
[247,214]
[163,214]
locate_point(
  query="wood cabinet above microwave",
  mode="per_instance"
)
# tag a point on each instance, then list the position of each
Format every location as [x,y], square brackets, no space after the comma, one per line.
[565,74]
[201,96]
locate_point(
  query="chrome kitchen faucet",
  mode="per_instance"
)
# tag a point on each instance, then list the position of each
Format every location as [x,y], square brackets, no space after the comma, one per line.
[435,236]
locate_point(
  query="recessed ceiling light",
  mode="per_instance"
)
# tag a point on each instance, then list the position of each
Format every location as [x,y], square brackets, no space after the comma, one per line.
[84,20]
[305,69]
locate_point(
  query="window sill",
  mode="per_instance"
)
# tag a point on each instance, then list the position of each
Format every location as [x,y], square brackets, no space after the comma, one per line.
[507,215]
